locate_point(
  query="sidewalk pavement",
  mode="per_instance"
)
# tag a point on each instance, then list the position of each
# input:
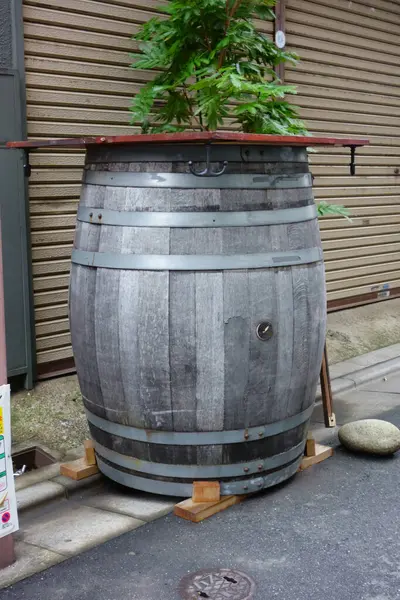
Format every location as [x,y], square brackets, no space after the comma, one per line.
[67,519]
[356,371]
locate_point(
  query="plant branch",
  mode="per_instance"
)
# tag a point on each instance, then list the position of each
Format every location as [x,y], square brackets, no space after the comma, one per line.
[204,78]
[189,103]
[229,15]
[200,115]
[206,38]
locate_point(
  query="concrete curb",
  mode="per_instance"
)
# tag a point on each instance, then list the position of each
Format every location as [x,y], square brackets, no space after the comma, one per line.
[46,485]
[364,375]
[56,488]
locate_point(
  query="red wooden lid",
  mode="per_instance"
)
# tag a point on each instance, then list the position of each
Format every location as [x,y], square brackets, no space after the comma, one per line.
[194,137]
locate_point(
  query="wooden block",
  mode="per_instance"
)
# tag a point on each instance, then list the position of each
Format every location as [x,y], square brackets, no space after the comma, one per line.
[206,491]
[78,469]
[310,445]
[198,511]
[89,452]
[321,453]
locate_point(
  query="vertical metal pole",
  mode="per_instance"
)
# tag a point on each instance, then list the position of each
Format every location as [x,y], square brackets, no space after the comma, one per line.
[279,25]
[7,554]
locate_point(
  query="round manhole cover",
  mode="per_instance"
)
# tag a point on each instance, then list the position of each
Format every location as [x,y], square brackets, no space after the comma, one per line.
[219,584]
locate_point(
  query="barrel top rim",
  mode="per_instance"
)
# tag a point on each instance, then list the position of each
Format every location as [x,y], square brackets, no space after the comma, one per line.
[209,137]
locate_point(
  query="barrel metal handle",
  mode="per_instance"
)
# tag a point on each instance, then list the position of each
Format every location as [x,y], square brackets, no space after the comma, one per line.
[208,171]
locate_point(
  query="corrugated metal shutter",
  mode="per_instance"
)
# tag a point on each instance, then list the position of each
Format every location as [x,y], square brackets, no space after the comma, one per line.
[349,85]
[78,83]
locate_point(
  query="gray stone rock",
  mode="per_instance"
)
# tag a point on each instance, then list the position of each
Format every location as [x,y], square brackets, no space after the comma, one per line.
[370,435]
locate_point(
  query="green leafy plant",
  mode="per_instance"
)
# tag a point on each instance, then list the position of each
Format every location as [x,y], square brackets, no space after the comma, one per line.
[212,65]
[324,209]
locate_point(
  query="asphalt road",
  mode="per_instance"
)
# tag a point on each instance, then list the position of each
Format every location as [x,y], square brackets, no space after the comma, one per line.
[332,533]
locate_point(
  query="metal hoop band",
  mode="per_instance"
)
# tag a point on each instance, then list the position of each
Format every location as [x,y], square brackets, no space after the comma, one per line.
[101,216]
[192,262]
[199,438]
[200,471]
[169,488]
[186,180]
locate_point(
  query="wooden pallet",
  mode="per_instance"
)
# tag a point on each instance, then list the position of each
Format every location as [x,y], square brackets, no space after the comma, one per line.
[320,453]
[82,467]
[198,511]
[207,501]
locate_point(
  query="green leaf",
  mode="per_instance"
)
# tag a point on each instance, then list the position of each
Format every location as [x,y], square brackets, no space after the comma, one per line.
[324,209]
[207,55]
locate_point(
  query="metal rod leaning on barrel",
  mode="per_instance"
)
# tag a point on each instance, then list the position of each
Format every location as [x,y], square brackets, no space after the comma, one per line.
[326,392]
[7,493]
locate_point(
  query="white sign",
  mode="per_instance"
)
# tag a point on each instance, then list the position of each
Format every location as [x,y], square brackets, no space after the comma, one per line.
[280,39]
[8,501]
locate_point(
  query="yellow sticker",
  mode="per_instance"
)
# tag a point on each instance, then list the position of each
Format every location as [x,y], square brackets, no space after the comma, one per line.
[1,421]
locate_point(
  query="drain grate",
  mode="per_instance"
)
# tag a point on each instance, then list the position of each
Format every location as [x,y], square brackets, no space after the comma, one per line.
[31,459]
[220,584]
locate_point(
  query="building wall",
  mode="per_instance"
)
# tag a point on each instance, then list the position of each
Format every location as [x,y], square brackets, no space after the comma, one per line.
[349,85]
[79,83]
[14,230]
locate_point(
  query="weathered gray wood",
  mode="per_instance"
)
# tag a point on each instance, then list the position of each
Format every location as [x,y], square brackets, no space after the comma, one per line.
[236,347]
[153,338]
[174,200]
[270,168]
[182,308]
[317,324]
[83,335]
[209,352]
[264,199]
[209,360]
[241,240]
[144,329]
[128,346]
[92,196]
[285,342]
[82,314]
[178,351]
[263,354]
[253,240]
[107,345]
[107,323]
[146,155]
[283,328]
[301,340]
[303,235]
[182,351]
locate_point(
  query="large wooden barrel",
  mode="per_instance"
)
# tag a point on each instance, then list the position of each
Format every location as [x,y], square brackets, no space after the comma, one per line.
[197,309]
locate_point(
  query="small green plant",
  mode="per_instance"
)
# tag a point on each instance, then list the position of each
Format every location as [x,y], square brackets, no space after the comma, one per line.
[212,65]
[325,209]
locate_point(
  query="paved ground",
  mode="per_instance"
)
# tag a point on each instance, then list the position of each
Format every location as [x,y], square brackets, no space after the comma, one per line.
[331,533]
[63,527]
